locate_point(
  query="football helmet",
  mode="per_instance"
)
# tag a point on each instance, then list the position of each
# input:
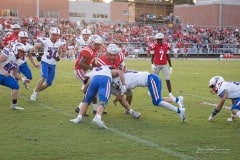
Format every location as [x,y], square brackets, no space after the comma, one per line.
[116,82]
[113,49]
[215,81]
[86,31]
[95,39]
[15,26]
[19,47]
[159,36]
[54,30]
[22,34]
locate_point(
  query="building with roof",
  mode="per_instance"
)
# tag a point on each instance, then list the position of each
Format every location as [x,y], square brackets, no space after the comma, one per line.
[222,13]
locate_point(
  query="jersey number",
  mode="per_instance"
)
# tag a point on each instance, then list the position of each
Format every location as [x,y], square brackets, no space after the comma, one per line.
[51,53]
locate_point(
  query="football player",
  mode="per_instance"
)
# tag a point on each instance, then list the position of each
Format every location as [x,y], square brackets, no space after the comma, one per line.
[86,61]
[9,65]
[160,58]
[135,79]
[99,83]
[82,41]
[52,52]
[115,58]
[225,90]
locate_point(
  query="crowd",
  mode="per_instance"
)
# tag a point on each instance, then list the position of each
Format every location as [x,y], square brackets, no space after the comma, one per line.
[187,39]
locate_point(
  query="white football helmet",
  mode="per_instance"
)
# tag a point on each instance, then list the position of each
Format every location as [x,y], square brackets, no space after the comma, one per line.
[22,34]
[15,26]
[86,31]
[113,49]
[54,30]
[19,47]
[95,39]
[215,81]
[116,82]
[159,36]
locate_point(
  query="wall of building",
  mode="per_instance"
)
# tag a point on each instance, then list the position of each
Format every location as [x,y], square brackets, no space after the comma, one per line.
[28,8]
[89,9]
[119,12]
[209,14]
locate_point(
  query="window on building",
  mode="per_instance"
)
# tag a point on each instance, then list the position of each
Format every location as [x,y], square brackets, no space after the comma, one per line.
[49,14]
[8,13]
[102,16]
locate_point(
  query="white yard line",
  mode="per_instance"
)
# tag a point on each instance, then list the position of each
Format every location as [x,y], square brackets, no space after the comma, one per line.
[214,105]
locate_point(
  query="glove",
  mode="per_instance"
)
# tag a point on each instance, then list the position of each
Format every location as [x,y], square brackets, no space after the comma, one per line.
[170,70]
[57,58]
[153,67]
[210,118]
[123,89]
[39,58]
[24,79]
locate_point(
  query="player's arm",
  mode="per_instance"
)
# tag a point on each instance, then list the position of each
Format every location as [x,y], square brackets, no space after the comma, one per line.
[17,75]
[219,106]
[37,46]
[83,63]
[116,72]
[169,60]
[32,61]
[59,53]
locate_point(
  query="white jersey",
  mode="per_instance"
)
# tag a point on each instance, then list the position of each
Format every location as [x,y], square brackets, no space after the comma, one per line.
[50,50]
[80,43]
[233,89]
[103,70]
[11,62]
[135,79]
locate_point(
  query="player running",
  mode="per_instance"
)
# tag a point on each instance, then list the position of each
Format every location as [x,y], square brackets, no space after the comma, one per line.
[52,52]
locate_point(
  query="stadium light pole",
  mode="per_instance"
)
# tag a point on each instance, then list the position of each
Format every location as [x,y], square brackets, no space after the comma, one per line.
[37,8]
[220,14]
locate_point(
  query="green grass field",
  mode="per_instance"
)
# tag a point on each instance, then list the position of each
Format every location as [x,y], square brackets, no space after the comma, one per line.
[43,131]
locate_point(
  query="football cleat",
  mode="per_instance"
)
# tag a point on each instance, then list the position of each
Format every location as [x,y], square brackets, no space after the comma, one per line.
[16,107]
[136,115]
[181,113]
[180,101]
[76,120]
[99,123]
[33,96]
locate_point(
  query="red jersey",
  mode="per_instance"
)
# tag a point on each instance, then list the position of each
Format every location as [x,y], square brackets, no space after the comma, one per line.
[9,38]
[88,53]
[160,53]
[118,63]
